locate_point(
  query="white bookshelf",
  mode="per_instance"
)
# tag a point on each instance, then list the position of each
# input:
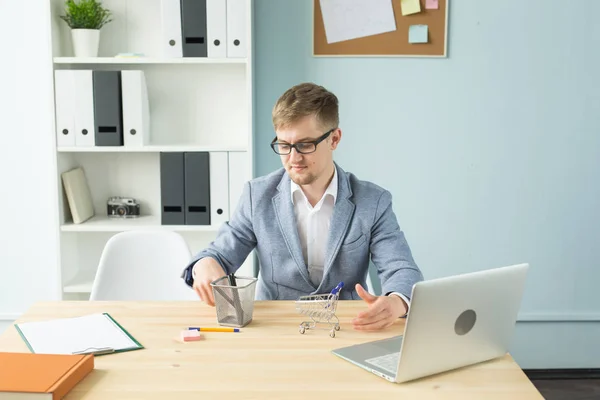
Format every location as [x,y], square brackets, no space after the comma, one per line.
[196,105]
[150,149]
[146,60]
[105,224]
[81,283]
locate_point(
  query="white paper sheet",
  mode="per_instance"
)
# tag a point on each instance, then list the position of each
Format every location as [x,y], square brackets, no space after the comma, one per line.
[72,335]
[351,19]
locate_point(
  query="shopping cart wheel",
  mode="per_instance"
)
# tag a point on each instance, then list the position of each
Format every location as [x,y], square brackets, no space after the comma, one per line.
[302,329]
[337,327]
[332,333]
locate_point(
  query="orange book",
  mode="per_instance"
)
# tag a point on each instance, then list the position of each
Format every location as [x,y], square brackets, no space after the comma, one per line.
[25,376]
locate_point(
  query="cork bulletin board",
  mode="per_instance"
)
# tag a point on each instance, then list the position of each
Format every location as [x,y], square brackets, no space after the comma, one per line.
[379,28]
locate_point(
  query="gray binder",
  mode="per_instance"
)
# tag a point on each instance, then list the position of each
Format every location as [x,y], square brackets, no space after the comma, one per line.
[172,189]
[197,188]
[193,28]
[108,108]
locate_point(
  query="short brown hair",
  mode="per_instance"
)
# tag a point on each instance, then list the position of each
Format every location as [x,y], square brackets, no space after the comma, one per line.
[303,100]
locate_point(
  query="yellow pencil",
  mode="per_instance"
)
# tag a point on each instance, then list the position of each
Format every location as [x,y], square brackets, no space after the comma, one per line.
[214,329]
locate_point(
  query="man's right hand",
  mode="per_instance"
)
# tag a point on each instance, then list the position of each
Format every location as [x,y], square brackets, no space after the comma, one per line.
[206,271]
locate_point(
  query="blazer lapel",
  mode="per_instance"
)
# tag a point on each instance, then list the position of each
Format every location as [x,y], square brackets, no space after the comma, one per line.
[340,220]
[286,218]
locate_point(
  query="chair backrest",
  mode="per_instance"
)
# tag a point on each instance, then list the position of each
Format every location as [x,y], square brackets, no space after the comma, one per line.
[143,265]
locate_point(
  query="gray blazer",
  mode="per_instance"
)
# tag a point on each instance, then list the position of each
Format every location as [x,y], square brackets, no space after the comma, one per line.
[363,225]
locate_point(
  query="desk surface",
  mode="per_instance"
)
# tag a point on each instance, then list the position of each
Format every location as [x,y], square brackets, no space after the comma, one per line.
[268,359]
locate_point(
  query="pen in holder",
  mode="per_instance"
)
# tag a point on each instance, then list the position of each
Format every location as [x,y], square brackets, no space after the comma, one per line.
[234,300]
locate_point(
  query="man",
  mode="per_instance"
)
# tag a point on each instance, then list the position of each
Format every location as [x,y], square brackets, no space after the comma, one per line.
[313,224]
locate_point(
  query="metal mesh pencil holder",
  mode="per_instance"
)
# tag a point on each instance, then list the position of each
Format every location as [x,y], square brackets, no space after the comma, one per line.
[321,309]
[234,300]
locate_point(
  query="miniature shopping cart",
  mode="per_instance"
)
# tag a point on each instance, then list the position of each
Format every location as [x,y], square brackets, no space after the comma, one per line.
[321,309]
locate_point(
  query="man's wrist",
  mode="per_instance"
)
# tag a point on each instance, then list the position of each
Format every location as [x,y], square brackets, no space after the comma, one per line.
[404,301]
[189,275]
[194,269]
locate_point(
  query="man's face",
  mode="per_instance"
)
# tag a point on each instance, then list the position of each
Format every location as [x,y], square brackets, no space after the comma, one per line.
[305,169]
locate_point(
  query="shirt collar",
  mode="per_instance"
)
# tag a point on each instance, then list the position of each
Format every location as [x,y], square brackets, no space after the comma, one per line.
[332,188]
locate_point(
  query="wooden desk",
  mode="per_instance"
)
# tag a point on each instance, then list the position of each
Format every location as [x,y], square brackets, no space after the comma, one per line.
[268,359]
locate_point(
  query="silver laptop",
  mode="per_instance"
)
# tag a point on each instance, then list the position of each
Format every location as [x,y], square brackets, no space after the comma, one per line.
[452,322]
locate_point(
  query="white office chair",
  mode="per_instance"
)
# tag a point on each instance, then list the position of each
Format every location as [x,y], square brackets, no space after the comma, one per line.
[143,265]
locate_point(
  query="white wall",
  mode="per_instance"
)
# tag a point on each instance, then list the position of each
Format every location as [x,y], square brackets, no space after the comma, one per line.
[28,227]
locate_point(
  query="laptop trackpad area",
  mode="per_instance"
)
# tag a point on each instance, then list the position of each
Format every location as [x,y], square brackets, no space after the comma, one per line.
[381,354]
[388,362]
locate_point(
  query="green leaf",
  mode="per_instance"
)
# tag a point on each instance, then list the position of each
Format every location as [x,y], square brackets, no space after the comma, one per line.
[86,14]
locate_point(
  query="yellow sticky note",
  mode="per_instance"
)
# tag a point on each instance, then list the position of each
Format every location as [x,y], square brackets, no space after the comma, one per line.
[410,6]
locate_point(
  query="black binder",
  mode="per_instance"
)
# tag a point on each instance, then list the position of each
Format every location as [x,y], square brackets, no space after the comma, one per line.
[193,28]
[197,188]
[108,108]
[172,188]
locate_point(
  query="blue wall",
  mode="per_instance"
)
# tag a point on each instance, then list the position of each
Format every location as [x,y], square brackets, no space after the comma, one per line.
[492,155]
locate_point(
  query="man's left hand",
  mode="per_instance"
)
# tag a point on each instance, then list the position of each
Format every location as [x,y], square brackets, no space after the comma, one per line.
[383,311]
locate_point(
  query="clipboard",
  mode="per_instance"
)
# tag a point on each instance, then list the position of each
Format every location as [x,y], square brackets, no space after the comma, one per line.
[96,334]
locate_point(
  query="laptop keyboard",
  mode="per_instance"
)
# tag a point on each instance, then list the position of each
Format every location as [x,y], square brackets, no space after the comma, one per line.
[389,362]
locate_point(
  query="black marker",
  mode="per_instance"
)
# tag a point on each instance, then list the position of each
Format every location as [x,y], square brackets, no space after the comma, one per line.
[236,300]
[231,280]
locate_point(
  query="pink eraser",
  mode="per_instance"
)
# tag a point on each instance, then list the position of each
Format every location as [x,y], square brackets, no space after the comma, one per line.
[190,336]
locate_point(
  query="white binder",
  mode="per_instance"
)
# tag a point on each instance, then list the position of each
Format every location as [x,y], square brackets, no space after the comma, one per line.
[171,28]
[136,108]
[216,32]
[219,188]
[236,28]
[64,97]
[84,108]
[238,175]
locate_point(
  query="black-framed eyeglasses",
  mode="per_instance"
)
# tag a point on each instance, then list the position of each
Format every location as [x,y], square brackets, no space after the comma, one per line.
[301,147]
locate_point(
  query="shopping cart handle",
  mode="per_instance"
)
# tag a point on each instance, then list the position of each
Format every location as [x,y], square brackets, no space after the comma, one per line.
[337,288]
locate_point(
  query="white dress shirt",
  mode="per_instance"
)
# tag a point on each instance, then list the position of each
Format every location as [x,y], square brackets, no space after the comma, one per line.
[313,228]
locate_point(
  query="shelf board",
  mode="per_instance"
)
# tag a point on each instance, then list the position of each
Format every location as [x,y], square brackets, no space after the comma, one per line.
[81,283]
[148,149]
[147,60]
[105,224]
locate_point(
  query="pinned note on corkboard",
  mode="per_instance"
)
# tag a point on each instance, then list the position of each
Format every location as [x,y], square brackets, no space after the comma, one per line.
[388,28]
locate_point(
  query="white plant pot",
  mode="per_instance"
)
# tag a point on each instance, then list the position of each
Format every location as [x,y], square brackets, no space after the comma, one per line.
[85,42]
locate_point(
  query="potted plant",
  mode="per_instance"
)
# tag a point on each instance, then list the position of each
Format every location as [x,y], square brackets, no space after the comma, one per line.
[85,18]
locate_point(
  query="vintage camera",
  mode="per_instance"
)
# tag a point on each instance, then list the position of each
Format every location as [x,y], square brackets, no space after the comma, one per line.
[122,207]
